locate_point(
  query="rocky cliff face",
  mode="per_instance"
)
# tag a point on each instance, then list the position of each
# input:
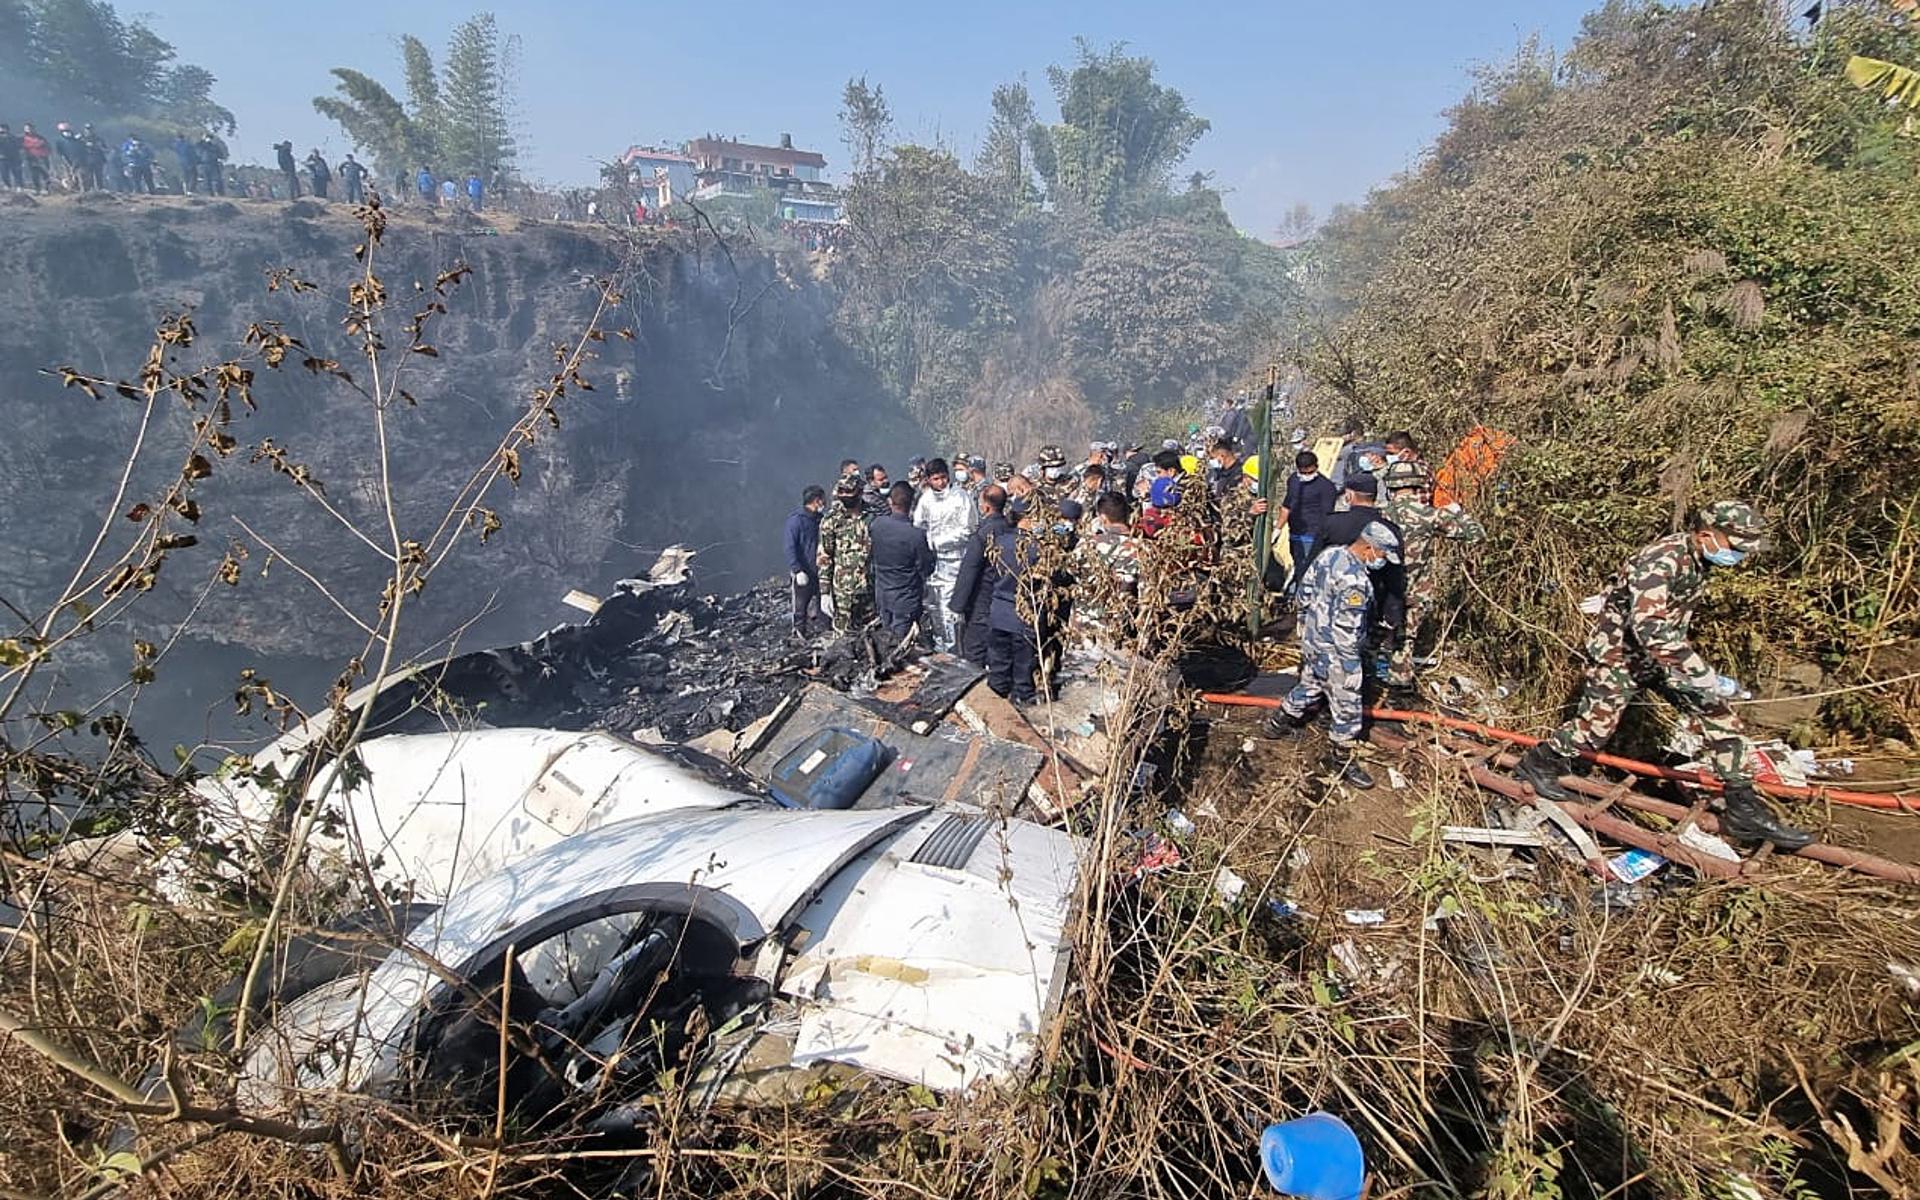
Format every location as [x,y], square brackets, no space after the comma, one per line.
[731,395]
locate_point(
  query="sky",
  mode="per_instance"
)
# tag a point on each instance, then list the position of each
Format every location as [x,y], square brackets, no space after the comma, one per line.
[1310,103]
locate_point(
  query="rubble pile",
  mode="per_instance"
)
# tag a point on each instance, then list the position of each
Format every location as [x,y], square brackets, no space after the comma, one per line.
[656,661]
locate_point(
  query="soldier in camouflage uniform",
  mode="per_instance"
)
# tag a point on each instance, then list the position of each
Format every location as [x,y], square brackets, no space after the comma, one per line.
[846,559]
[1055,478]
[1410,507]
[1335,598]
[1002,473]
[1641,641]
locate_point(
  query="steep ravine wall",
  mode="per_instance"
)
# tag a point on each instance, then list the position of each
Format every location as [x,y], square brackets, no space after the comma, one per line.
[732,394]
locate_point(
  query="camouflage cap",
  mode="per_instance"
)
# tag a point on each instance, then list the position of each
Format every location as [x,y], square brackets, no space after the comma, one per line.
[1382,539]
[1032,472]
[1736,519]
[1052,456]
[848,487]
[1002,472]
[1402,475]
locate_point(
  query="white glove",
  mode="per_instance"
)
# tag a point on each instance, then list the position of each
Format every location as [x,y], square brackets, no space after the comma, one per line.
[799,579]
[826,604]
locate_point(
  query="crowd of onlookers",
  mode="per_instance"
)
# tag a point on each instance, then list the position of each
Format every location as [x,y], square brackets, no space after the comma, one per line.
[79,159]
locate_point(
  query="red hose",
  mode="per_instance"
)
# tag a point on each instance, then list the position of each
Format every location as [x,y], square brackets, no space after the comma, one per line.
[1890,801]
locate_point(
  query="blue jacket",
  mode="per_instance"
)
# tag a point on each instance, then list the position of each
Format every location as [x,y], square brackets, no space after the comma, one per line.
[972,588]
[1012,561]
[902,561]
[803,540]
[1309,503]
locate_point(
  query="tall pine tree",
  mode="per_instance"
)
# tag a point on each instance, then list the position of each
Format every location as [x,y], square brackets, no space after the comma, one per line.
[476,133]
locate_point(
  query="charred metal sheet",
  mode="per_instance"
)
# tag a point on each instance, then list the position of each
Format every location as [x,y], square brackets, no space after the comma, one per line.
[950,764]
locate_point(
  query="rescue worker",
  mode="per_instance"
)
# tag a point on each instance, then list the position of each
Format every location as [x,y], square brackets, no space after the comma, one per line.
[1335,599]
[873,497]
[902,563]
[803,556]
[1304,511]
[1055,475]
[1013,643]
[1640,642]
[948,516]
[1003,473]
[1410,507]
[845,560]
[428,189]
[972,592]
[1107,572]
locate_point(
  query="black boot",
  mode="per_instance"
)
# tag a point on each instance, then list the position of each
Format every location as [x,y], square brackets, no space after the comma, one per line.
[1746,818]
[1541,767]
[1344,762]
[1283,725]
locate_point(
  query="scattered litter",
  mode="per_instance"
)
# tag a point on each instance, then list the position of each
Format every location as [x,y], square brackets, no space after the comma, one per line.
[1361,966]
[1635,865]
[1659,975]
[1246,746]
[1228,886]
[1316,1157]
[1178,822]
[1396,780]
[1695,838]
[1365,916]
[1489,837]
[1206,811]
[1287,910]
[1298,860]
[1615,894]
[1156,855]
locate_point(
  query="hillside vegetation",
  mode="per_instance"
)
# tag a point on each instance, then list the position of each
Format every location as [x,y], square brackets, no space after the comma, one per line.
[1680,263]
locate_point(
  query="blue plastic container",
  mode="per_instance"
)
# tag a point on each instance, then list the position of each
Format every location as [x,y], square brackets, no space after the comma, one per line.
[1315,1157]
[828,770]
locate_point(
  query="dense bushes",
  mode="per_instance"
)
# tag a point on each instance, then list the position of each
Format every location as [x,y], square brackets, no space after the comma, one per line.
[1682,263]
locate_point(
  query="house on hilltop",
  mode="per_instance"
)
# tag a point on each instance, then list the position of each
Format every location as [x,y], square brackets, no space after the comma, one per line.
[741,169]
[658,176]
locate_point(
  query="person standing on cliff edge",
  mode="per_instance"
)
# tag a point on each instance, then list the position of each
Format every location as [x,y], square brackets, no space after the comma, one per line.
[283,152]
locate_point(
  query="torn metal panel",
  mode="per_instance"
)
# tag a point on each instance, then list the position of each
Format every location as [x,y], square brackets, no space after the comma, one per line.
[946,766]
[937,974]
[920,695]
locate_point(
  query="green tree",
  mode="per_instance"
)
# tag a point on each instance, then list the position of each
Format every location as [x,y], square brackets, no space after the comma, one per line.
[1120,135]
[929,274]
[476,131]
[378,125]
[865,121]
[461,122]
[185,98]
[1003,157]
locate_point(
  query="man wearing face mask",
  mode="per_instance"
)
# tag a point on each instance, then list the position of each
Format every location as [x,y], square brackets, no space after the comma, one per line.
[1641,641]
[1336,597]
[947,515]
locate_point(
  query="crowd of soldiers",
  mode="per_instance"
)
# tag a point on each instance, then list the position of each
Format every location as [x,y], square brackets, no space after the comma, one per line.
[1006,567]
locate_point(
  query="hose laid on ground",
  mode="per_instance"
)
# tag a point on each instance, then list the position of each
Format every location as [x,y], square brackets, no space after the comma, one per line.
[1885,801]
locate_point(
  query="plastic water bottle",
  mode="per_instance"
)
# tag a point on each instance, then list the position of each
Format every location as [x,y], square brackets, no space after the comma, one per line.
[1315,1157]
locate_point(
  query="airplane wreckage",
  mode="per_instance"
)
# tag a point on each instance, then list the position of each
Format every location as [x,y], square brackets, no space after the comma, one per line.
[668,839]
